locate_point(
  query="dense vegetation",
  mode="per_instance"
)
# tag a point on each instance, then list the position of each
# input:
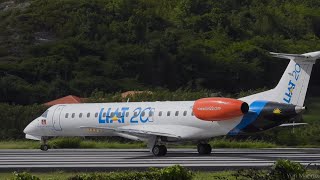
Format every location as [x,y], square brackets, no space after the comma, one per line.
[168,173]
[281,170]
[14,118]
[51,48]
[178,49]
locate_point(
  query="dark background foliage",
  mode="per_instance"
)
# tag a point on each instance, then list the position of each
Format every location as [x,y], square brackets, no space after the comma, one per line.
[180,49]
[51,48]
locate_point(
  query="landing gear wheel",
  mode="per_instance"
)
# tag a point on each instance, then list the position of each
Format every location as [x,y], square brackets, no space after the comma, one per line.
[159,150]
[204,149]
[163,149]
[44,147]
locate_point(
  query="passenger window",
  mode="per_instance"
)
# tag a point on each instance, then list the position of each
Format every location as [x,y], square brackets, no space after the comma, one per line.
[143,113]
[67,115]
[72,115]
[184,113]
[104,114]
[88,115]
[150,113]
[168,113]
[135,113]
[177,113]
[127,114]
[112,114]
[192,113]
[80,115]
[119,115]
[96,115]
[160,113]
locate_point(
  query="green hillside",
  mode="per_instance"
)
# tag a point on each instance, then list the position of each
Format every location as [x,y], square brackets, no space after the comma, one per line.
[52,48]
[178,49]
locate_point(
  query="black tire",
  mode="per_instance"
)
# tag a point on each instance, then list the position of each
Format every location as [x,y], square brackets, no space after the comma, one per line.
[156,150]
[208,148]
[204,149]
[163,149]
[159,150]
[44,147]
[201,149]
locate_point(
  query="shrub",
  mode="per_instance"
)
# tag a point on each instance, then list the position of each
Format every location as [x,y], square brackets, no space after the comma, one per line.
[175,173]
[169,173]
[286,170]
[24,176]
[253,174]
[281,170]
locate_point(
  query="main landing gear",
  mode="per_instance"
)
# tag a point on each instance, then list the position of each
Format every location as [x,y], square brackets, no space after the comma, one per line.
[159,150]
[44,146]
[156,146]
[204,149]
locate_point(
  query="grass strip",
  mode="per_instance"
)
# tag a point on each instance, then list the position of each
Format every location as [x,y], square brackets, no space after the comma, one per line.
[198,175]
[91,144]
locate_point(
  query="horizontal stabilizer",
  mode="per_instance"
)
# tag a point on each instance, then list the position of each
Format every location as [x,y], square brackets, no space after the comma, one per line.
[292,124]
[306,56]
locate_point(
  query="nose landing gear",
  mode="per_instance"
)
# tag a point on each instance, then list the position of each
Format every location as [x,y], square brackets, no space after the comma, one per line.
[44,146]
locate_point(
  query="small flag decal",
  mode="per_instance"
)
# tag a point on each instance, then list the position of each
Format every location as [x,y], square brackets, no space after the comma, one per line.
[44,122]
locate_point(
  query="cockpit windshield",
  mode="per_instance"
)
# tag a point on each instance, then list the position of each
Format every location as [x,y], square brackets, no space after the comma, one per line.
[45,114]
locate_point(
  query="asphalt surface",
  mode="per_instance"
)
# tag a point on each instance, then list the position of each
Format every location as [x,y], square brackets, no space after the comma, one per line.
[124,159]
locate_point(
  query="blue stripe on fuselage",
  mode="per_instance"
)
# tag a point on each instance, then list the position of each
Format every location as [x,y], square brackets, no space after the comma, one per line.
[254,111]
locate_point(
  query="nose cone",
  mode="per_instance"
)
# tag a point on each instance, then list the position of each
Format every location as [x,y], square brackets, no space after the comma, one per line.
[30,129]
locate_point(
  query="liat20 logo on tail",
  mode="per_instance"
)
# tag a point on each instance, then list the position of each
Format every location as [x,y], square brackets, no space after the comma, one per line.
[292,83]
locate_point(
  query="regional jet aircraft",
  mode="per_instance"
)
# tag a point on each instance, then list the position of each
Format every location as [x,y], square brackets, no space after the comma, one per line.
[159,123]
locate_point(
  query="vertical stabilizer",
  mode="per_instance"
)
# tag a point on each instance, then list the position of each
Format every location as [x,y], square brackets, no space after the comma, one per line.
[293,85]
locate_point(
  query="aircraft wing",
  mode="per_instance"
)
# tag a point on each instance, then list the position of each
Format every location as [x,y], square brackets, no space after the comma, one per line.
[135,130]
[172,131]
[100,128]
[145,131]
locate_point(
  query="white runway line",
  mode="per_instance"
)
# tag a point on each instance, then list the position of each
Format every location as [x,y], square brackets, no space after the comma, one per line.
[92,159]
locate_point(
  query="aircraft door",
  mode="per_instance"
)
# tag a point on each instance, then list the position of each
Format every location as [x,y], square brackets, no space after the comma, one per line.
[56,118]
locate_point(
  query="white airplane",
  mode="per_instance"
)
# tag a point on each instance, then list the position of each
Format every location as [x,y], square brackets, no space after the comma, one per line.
[158,123]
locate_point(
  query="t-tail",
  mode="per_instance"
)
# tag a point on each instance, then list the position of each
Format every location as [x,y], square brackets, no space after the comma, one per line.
[293,85]
[282,104]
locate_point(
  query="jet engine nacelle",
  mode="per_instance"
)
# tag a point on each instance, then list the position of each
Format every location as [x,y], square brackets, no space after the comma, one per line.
[218,109]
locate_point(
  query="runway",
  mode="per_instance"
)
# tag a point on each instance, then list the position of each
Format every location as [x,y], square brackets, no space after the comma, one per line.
[124,159]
